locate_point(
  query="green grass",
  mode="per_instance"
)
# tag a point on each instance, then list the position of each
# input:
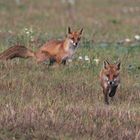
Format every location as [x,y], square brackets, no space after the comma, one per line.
[66,102]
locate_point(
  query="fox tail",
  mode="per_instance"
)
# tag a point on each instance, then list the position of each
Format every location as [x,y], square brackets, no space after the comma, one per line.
[16,51]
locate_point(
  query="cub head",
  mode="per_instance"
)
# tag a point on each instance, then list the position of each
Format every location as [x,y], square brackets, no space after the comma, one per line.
[111,73]
[74,36]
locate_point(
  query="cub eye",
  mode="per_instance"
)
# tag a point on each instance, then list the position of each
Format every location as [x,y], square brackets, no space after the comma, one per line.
[78,39]
[107,75]
[72,38]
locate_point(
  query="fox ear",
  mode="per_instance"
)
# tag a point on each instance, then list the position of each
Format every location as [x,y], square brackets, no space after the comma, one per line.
[118,65]
[69,30]
[105,64]
[80,32]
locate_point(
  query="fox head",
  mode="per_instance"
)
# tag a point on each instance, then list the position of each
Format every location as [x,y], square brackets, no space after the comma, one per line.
[74,36]
[111,73]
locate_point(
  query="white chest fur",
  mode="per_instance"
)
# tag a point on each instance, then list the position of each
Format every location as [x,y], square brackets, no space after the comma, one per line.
[70,49]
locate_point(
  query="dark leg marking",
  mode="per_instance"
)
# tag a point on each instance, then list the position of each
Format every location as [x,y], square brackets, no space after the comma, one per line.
[64,62]
[106,96]
[112,91]
[52,61]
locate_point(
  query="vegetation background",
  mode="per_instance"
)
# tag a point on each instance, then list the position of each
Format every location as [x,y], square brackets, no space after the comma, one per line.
[41,103]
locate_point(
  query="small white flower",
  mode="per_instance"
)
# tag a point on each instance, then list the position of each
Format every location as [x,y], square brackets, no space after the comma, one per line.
[96,61]
[137,37]
[27,32]
[87,58]
[26,29]
[32,39]
[127,40]
[80,58]
[7,105]
[69,60]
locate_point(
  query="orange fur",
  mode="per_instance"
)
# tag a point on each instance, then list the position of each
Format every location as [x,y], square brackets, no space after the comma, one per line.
[59,51]
[54,50]
[109,79]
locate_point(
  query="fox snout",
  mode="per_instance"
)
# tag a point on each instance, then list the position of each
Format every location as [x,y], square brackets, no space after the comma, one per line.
[75,44]
[111,83]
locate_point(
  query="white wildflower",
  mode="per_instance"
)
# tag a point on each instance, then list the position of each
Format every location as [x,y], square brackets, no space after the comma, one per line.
[26,29]
[127,40]
[32,38]
[27,32]
[80,58]
[69,60]
[7,105]
[137,37]
[96,61]
[87,58]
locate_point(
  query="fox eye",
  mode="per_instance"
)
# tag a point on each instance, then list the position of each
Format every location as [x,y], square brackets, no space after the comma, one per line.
[114,76]
[107,75]
[78,39]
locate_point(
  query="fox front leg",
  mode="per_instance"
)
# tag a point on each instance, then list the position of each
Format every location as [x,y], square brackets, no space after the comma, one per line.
[112,91]
[58,60]
[52,61]
[105,91]
[64,62]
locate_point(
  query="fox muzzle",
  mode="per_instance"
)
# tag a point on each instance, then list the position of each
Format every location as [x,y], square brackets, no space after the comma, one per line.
[111,82]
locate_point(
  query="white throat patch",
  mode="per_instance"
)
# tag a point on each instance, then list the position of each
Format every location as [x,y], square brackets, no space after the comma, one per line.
[72,43]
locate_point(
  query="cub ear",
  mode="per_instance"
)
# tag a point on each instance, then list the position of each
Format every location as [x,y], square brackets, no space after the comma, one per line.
[118,65]
[69,30]
[80,32]
[105,64]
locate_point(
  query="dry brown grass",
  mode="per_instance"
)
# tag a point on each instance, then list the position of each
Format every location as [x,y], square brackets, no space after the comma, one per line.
[41,103]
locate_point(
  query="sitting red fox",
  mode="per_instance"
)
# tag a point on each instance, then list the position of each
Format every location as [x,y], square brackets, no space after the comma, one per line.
[109,79]
[54,50]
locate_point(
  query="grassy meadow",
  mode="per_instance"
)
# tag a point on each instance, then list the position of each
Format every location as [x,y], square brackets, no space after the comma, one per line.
[38,102]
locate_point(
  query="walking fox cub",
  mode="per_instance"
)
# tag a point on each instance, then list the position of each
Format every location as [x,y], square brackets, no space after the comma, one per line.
[54,50]
[109,79]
